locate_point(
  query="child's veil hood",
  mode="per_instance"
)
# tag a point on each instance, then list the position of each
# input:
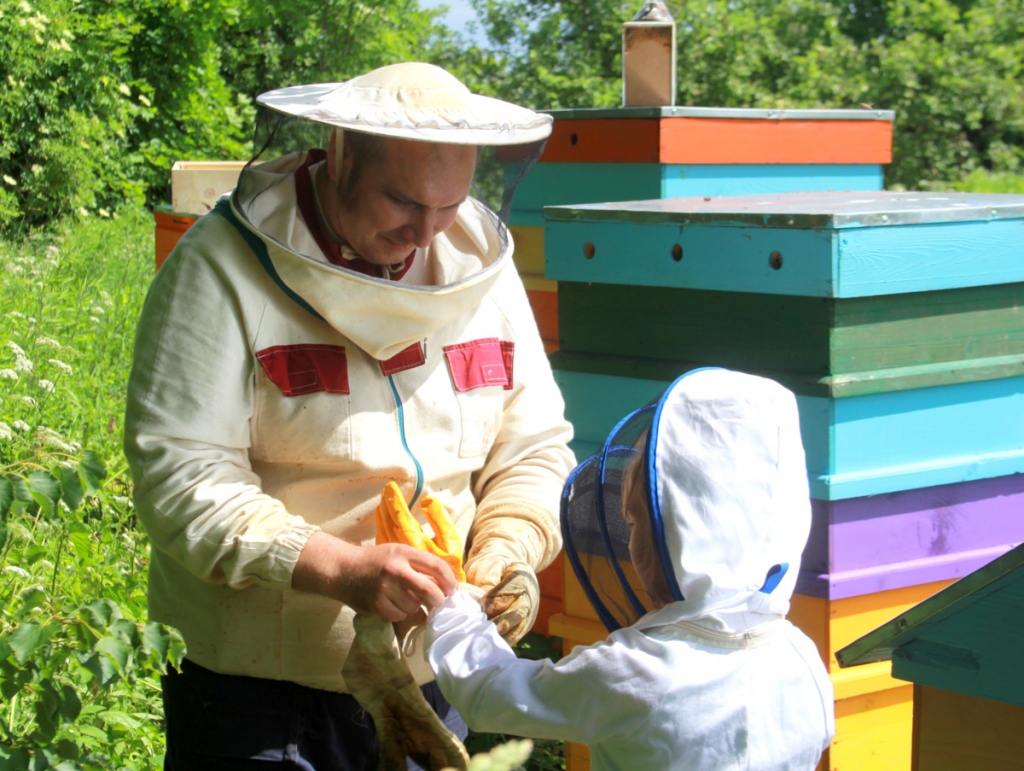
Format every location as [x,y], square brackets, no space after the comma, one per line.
[728,482]
[727,499]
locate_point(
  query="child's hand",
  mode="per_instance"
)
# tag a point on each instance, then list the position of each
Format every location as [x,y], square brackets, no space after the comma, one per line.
[475,592]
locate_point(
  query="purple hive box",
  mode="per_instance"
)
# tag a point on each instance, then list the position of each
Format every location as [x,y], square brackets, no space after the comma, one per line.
[865,545]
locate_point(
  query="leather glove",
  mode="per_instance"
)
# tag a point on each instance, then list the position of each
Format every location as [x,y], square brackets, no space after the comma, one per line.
[377,676]
[505,549]
[513,602]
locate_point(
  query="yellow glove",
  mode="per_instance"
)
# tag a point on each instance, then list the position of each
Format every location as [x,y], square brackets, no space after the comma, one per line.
[395,524]
[375,671]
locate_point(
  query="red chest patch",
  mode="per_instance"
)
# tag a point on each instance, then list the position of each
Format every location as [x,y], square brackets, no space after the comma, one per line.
[305,369]
[481,363]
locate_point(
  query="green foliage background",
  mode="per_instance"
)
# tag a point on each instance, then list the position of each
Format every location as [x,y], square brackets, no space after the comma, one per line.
[78,660]
[951,69]
[99,97]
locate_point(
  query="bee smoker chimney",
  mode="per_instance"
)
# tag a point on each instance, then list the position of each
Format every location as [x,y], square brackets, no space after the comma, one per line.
[649,57]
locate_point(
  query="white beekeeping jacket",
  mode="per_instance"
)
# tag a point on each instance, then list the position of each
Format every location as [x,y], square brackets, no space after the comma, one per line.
[715,680]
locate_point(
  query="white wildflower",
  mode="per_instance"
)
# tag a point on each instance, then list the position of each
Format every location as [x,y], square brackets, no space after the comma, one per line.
[18,571]
[47,386]
[18,350]
[37,169]
[52,250]
[16,315]
[65,368]
[17,270]
[26,400]
[120,500]
[5,431]
[21,425]
[10,180]
[94,319]
[48,342]
[83,211]
[97,309]
[8,374]
[47,437]
[22,364]
[31,319]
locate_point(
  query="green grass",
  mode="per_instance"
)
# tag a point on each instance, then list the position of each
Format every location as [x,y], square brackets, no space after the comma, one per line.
[981,181]
[79,664]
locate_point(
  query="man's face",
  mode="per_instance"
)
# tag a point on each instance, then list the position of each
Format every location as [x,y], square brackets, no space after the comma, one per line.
[401,200]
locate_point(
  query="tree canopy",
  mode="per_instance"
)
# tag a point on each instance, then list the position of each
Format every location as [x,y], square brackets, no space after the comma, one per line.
[99,97]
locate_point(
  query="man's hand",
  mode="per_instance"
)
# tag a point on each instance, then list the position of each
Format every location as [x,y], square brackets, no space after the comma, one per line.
[391,581]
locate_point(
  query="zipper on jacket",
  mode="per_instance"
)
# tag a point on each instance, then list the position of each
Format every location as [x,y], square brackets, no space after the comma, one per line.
[405,444]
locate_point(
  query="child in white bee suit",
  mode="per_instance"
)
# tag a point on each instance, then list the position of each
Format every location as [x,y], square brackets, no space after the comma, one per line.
[686,532]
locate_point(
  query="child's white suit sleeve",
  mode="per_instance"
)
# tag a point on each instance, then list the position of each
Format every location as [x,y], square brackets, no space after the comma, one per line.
[594,693]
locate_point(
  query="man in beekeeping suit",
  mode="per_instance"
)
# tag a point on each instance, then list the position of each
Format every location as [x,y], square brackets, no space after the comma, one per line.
[347,317]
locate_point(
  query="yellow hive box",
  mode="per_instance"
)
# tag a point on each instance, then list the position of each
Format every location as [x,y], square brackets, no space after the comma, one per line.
[874,713]
[528,256]
[196,185]
[954,731]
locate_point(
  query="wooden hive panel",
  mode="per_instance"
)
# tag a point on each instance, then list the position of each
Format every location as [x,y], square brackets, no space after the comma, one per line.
[707,135]
[813,244]
[874,712]
[954,731]
[814,345]
[855,446]
[557,184]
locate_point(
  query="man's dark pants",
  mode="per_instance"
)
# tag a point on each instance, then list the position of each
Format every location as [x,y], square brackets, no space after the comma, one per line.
[230,723]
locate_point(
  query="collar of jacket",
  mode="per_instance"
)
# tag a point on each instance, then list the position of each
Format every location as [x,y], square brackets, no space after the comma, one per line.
[381,317]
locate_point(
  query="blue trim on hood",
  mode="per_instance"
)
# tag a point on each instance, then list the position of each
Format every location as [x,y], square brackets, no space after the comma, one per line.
[223,208]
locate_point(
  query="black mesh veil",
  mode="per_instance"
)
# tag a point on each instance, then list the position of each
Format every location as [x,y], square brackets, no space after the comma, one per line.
[499,170]
[603,502]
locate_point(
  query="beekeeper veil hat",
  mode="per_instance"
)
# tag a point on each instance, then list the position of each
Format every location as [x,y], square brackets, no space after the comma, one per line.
[724,501]
[412,101]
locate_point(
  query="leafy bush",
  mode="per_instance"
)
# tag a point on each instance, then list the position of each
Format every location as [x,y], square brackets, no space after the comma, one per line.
[990,182]
[952,71]
[79,664]
[100,97]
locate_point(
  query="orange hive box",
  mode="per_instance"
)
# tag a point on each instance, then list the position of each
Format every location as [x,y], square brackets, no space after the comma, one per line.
[528,256]
[715,140]
[874,712]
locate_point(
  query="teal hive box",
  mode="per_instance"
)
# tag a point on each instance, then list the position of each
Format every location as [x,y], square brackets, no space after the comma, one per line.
[600,155]
[899,326]
[961,650]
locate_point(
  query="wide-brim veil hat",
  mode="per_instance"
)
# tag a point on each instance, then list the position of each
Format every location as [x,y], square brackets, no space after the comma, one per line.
[411,100]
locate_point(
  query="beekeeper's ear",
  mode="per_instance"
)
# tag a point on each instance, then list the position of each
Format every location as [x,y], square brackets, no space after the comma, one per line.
[336,153]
